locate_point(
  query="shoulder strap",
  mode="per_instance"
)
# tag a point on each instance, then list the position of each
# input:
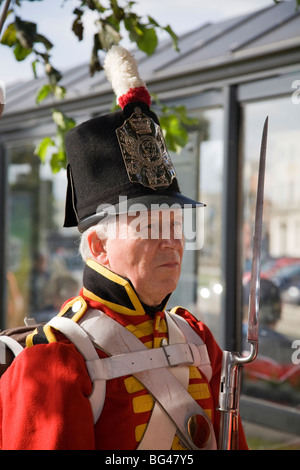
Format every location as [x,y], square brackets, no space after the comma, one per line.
[161,430]
[83,343]
[12,341]
[192,337]
[12,344]
[9,349]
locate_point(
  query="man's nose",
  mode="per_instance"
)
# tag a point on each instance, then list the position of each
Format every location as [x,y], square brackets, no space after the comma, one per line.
[172,240]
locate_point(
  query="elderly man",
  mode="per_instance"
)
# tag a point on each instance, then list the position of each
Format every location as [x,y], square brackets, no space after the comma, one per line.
[115,370]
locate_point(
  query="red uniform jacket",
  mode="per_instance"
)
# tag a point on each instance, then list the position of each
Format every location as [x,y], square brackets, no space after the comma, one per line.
[44,395]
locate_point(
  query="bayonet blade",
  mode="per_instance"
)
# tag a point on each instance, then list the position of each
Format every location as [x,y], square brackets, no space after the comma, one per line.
[257,243]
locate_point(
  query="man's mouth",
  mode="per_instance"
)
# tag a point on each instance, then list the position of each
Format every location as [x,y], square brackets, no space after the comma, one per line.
[170,264]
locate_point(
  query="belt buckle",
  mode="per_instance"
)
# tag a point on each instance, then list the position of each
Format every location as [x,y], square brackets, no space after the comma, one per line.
[198,429]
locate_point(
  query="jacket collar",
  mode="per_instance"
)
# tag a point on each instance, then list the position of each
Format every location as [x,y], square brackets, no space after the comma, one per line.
[116,292]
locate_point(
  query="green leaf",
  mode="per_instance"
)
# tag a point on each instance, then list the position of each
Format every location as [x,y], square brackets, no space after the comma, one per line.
[43,92]
[153,21]
[26,32]
[142,35]
[148,41]
[77,26]
[114,22]
[168,29]
[59,92]
[94,5]
[186,120]
[62,121]
[174,37]
[58,157]
[176,136]
[41,149]
[55,163]
[118,12]
[34,63]
[131,24]
[9,37]
[42,39]
[58,160]
[95,65]
[21,52]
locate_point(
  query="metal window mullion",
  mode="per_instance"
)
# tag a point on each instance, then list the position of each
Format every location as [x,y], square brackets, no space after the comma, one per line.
[3,235]
[230,317]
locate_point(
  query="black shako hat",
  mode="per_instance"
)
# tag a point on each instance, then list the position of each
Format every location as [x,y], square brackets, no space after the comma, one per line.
[119,160]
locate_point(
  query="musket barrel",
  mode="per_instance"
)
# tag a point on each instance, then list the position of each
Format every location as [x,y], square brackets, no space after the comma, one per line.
[229,401]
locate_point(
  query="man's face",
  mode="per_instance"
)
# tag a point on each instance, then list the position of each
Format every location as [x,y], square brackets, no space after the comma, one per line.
[148,250]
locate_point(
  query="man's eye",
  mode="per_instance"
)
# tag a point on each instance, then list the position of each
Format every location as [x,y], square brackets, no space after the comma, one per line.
[146,227]
[145,230]
[177,224]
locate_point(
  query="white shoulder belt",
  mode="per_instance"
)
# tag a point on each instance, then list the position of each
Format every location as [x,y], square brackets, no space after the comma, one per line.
[160,370]
[12,344]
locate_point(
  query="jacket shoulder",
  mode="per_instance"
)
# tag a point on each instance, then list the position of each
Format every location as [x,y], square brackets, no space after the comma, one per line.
[73,309]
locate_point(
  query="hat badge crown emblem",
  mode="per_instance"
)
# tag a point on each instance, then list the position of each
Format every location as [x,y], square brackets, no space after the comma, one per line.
[140,123]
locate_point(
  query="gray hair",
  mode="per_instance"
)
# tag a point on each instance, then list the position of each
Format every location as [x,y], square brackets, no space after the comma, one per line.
[104,230]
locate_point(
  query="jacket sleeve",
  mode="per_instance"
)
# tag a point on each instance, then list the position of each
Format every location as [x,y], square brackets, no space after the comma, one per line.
[44,401]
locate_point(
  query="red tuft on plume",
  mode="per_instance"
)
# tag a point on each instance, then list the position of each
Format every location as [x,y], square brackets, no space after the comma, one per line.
[135,94]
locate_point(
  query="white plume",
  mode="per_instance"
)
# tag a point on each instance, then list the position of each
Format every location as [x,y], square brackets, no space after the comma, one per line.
[121,70]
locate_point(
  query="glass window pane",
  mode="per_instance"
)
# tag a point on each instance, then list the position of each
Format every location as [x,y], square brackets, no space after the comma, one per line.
[43,266]
[275,374]
[209,292]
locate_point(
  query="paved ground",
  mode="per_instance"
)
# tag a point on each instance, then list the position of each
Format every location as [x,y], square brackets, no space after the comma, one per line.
[262,438]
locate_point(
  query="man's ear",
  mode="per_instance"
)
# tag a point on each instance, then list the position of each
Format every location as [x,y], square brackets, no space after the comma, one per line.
[97,247]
